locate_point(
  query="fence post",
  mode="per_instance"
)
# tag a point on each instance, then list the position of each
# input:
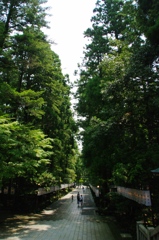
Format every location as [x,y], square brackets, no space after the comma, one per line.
[137,229]
[150,229]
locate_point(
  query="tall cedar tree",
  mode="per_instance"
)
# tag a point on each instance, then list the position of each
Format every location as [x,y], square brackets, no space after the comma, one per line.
[120,125]
[35,94]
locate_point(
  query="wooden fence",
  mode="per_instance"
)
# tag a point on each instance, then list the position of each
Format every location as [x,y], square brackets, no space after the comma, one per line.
[146,233]
[43,191]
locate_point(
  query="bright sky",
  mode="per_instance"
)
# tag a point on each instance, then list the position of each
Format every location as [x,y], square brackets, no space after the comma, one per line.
[70,18]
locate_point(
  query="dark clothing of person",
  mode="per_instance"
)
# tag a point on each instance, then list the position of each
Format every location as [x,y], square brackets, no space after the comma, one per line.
[78,198]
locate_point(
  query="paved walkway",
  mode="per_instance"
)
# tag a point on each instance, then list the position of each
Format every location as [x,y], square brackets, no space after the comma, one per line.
[63,220]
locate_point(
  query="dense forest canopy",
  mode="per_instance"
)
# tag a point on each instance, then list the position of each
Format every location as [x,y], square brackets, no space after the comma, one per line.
[118,93]
[38,144]
[118,103]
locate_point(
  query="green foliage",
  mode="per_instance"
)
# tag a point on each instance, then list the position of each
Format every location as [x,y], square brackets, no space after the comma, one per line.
[38,146]
[149,19]
[24,152]
[118,94]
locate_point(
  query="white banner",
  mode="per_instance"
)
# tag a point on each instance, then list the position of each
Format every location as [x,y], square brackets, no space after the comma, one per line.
[140,196]
[95,190]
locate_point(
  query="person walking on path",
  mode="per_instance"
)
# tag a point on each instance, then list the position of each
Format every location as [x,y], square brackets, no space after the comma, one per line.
[81,200]
[78,198]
